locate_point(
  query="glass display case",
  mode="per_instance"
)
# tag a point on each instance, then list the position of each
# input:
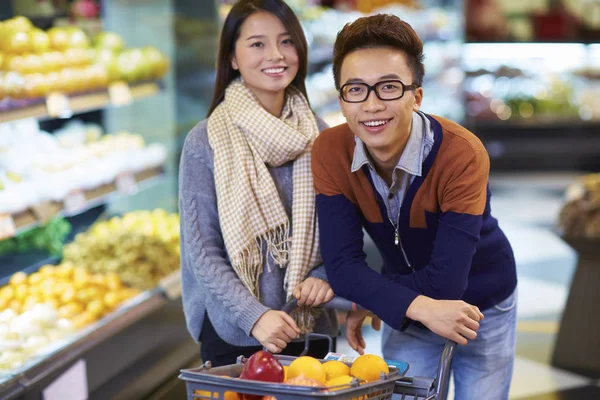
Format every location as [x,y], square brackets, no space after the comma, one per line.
[91,126]
[438,23]
[532,82]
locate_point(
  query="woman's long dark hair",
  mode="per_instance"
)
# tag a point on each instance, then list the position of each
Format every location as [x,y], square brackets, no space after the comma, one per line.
[231,32]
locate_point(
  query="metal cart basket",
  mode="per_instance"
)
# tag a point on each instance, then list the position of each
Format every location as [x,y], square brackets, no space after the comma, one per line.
[204,382]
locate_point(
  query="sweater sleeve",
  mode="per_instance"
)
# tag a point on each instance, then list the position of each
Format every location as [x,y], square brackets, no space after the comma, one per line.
[463,201]
[201,232]
[318,272]
[341,239]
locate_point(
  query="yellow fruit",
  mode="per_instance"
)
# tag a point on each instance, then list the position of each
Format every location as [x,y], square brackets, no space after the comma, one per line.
[15,42]
[81,274]
[18,278]
[87,294]
[35,278]
[98,280]
[113,282]
[16,306]
[47,270]
[96,308]
[335,368]
[369,367]
[53,302]
[7,293]
[309,367]
[68,295]
[285,372]
[70,310]
[31,301]
[21,292]
[111,300]
[39,40]
[65,270]
[59,38]
[82,320]
[343,381]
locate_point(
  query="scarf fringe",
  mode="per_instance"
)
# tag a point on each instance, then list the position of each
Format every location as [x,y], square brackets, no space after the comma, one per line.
[306,318]
[250,262]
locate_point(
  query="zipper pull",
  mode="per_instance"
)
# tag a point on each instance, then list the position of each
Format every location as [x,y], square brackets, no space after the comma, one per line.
[396,237]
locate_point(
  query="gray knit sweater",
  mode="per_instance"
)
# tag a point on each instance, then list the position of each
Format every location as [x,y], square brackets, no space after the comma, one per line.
[209,283]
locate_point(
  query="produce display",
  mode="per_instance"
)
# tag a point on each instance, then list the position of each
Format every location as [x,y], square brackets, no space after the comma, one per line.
[439,29]
[580,216]
[262,366]
[46,306]
[25,335]
[37,166]
[531,82]
[72,291]
[49,238]
[34,62]
[141,247]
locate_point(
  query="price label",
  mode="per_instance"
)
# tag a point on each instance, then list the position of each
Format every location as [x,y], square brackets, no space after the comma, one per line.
[120,94]
[126,183]
[7,226]
[57,105]
[70,385]
[75,202]
[43,211]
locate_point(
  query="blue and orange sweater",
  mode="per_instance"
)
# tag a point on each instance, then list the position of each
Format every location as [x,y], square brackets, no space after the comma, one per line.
[453,247]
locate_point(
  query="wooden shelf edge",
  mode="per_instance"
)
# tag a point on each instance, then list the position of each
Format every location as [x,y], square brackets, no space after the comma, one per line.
[28,219]
[79,102]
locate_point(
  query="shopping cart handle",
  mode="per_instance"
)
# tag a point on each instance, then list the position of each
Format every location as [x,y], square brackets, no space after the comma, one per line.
[337,303]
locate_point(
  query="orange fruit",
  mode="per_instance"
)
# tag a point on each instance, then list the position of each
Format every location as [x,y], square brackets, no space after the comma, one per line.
[344,380]
[309,367]
[285,372]
[369,367]
[335,368]
[302,380]
[232,396]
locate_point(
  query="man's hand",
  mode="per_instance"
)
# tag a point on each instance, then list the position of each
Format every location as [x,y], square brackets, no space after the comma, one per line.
[452,319]
[313,292]
[274,330]
[354,323]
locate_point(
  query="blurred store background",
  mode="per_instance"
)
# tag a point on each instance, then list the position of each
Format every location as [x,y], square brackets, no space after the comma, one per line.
[97,96]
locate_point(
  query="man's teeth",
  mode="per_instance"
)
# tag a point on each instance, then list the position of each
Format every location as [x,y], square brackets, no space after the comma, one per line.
[274,70]
[375,123]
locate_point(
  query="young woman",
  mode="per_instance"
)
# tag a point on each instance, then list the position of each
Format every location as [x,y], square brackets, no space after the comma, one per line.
[249,239]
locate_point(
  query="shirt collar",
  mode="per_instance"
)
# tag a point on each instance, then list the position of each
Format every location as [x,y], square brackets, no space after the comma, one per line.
[411,160]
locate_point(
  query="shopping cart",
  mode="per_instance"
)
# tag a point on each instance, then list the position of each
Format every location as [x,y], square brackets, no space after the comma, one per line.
[205,382]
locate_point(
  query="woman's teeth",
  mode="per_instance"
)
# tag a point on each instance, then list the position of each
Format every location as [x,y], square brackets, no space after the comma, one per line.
[274,70]
[375,123]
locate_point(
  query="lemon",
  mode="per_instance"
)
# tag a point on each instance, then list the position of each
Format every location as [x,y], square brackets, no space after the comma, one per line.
[335,368]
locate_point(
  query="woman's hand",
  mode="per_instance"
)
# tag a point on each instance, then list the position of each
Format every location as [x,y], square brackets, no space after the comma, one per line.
[313,292]
[452,319]
[274,330]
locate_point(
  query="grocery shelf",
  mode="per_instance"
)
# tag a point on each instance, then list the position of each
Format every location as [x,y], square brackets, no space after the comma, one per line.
[84,200]
[79,103]
[47,365]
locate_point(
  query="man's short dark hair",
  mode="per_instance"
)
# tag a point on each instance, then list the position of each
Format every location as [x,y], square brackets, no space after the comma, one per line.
[381,30]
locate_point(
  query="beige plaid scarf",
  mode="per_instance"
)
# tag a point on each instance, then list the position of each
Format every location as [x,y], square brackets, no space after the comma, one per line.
[245,139]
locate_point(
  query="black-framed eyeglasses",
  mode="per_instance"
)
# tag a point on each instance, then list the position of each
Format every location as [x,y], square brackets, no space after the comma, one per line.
[385,90]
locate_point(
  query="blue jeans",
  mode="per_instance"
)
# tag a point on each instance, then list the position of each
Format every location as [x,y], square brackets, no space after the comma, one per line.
[482,369]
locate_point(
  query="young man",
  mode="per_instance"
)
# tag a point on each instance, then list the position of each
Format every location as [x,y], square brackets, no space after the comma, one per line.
[418,184]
